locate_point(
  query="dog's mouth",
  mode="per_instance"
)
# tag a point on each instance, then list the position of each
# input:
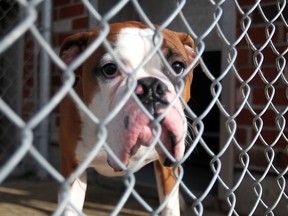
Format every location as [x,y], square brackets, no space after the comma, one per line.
[145,139]
[139,133]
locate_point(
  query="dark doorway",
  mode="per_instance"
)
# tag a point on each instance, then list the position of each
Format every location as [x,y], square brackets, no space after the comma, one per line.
[198,173]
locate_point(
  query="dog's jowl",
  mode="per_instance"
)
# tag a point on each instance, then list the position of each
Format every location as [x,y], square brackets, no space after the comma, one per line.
[102,85]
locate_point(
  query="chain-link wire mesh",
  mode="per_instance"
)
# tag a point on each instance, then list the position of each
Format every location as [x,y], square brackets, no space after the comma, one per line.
[239,134]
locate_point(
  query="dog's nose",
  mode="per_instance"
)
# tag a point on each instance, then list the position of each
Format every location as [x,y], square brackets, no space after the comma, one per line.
[152,93]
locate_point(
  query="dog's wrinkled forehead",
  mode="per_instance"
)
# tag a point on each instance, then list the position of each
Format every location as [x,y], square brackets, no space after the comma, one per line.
[132,45]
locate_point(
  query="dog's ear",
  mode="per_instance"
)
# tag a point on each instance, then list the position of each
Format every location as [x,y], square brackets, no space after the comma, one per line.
[188,43]
[73,45]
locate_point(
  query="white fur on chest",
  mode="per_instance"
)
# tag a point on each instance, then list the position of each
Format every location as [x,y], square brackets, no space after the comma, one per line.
[88,142]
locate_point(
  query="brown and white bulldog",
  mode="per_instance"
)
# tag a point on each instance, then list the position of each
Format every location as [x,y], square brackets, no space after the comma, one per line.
[102,84]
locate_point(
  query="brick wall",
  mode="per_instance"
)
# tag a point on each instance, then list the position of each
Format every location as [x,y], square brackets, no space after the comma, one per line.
[69,16]
[29,80]
[258,81]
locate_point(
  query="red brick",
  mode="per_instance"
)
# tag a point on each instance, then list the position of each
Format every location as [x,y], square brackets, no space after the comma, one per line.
[55,14]
[241,135]
[281,159]
[26,92]
[27,70]
[250,2]
[245,2]
[270,11]
[246,72]
[268,73]
[238,31]
[270,136]
[243,57]
[286,128]
[27,108]
[268,118]
[55,40]
[259,97]
[243,42]
[57,3]
[244,118]
[80,23]
[238,21]
[56,81]
[258,36]
[57,120]
[268,1]
[282,48]
[257,158]
[54,71]
[29,82]
[280,97]
[285,34]
[269,56]
[28,43]
[71,11]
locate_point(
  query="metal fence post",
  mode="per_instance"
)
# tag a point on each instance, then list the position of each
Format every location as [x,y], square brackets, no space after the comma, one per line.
[44,88]
[228,26]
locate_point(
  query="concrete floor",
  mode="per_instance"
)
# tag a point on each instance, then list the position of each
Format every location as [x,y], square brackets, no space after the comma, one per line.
[34,197]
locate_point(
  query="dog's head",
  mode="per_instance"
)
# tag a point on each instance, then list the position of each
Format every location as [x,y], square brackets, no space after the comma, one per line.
[102,84]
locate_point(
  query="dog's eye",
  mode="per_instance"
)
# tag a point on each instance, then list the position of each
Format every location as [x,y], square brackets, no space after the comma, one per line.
[178,67]
[109,70]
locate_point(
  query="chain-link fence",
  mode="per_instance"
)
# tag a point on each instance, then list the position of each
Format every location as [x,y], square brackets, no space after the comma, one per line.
[236,160]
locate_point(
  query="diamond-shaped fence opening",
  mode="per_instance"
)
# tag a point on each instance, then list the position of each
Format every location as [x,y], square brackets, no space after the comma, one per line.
[236,157]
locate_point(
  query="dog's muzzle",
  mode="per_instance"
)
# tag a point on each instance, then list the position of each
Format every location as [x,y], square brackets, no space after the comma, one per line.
[135,130]
[151,92]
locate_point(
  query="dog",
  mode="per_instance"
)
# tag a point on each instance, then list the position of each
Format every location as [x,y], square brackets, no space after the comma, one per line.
[102,83]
